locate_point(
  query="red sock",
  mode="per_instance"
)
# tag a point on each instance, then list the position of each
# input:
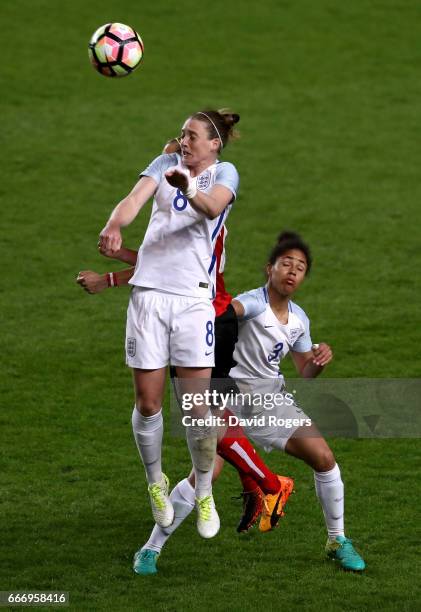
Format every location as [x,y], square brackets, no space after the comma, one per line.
[249,484]
[237,450]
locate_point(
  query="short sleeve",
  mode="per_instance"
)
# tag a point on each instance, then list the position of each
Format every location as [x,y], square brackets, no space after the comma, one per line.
[303,343]
[227,175]
[159,165]
[253,302]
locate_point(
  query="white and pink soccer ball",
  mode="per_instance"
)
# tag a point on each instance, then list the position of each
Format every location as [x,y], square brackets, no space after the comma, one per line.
[115,50]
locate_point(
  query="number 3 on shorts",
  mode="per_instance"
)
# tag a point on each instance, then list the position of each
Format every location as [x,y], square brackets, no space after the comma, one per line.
[209,333]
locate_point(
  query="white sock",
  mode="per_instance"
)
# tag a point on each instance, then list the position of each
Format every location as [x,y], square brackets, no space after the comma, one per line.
[148,433]
[203,451]
[183,499]
[330,491]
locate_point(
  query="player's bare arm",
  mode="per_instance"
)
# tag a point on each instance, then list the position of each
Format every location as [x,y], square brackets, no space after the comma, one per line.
[125,212]
[92,282]
[311,363]
[238,308]
[128,256]
[211,204]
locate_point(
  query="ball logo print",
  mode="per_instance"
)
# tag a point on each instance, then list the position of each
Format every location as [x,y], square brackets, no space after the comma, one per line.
[115,50]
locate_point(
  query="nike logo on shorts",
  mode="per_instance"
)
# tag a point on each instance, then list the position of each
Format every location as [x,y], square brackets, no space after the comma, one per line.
[209,353]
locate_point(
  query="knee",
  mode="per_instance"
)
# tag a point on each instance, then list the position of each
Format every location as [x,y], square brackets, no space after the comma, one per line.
[323,460]
[147,406]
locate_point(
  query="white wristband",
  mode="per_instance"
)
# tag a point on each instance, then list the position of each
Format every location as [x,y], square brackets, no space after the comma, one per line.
[191,190]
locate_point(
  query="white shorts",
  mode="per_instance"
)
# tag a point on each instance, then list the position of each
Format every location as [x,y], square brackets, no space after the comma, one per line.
[270,422]
[165,328]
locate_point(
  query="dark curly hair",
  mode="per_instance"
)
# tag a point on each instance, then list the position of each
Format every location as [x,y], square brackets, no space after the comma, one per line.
[286,241]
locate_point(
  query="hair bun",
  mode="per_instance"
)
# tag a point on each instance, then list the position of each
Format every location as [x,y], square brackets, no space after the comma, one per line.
[229,118]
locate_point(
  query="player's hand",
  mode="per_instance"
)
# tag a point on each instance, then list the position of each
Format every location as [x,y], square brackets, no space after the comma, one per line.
[172,146]
[110,240]
[108,252]
[322,354]
[91,281]
[177,178]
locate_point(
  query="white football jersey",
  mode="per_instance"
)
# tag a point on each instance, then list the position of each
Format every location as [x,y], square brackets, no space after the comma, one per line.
[178,250]
[263,341]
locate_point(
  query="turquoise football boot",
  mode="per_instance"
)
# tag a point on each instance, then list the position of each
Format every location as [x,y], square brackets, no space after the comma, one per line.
[341,550]
[144,562]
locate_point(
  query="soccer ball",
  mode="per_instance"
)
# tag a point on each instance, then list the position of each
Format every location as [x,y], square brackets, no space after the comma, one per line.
[115,50]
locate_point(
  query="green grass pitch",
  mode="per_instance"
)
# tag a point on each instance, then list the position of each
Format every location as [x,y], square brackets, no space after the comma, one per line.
[329,96]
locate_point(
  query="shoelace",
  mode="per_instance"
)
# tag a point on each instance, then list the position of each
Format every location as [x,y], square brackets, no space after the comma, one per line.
[157,495]
[147,555]
[348,548]
[244,495]
[205,508]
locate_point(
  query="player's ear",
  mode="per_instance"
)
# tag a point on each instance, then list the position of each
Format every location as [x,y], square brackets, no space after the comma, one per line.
[268,270]
[215,144]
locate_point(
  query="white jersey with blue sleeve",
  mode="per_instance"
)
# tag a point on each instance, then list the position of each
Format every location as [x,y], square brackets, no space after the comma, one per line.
[177,254]
[263,341]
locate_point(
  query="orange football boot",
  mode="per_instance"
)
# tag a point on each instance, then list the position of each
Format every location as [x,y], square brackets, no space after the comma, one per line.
[273,504]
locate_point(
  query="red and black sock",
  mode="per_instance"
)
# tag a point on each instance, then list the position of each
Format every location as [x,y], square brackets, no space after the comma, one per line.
[237,450]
